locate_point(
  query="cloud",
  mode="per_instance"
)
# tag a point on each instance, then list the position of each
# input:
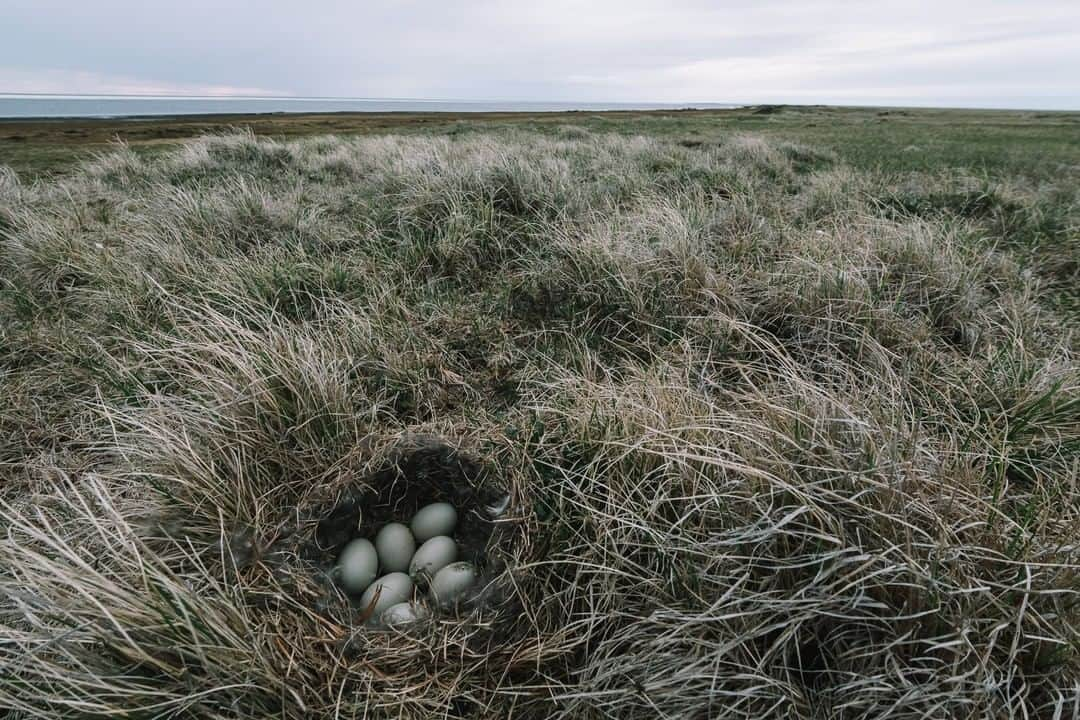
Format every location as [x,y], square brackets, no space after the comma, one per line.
[990,64]
[82,82]
[983,52]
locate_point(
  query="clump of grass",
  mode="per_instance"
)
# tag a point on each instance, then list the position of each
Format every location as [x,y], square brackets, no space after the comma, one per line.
[777,445]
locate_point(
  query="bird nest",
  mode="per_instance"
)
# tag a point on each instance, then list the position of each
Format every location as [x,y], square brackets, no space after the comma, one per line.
[417,472]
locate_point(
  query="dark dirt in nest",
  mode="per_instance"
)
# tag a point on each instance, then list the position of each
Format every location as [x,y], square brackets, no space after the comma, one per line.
[420,471]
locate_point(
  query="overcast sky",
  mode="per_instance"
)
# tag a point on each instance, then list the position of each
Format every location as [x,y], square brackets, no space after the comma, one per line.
[960,53]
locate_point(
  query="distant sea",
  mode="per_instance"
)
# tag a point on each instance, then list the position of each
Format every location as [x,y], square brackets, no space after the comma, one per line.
[116,106]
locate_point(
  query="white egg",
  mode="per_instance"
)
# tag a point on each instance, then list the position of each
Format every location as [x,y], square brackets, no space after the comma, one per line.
[395,588]
[358,565]
[404,613]
[432,520]
[452,582]
[433,556]
[395,546]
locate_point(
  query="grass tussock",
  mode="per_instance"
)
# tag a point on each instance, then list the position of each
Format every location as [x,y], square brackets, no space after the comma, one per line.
[782,438]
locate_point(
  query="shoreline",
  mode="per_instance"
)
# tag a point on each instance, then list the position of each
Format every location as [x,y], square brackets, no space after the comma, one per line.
[464,114]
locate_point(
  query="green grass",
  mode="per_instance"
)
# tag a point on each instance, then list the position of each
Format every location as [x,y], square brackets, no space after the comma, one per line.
[1039,145]
[789,417]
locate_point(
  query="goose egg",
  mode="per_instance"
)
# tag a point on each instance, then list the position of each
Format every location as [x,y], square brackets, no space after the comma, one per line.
[358,565]
[452,582]
[404,613]
[396,588]
[432,520]
[433,556]
[395,546]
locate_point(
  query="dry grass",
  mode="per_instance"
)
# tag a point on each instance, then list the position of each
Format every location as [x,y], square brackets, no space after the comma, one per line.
[783,438]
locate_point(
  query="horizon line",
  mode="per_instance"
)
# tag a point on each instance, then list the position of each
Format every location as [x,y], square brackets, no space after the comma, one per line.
[681,104]
[167,96]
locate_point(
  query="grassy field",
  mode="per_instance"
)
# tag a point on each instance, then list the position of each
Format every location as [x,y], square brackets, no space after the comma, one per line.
[1037,144]
[786,402]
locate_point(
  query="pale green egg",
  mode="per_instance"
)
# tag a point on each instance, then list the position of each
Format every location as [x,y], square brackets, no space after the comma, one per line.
[452,582]
[403,614]
[357,565]
[395,546]
[433,556]
[396,587]
[432,520]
